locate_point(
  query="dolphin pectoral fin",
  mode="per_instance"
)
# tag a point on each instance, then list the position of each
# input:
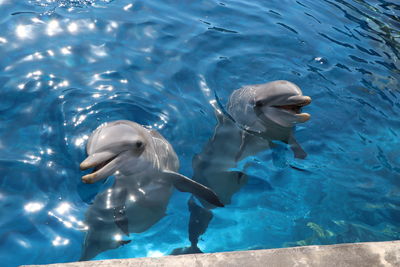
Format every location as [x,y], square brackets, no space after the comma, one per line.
[298,151]
[227,183]
[198,223]
[199,220]
[184,184]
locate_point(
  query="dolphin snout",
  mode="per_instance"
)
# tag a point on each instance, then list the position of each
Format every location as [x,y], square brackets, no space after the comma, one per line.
[104,164]
[307,100]
[87,165]
[303,117]
[95,159]
[299,100]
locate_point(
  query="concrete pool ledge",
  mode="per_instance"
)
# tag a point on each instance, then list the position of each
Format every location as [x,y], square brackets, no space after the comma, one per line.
[356,254]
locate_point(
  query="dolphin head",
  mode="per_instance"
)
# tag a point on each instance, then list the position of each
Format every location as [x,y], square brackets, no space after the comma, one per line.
[113,148]
[281,102]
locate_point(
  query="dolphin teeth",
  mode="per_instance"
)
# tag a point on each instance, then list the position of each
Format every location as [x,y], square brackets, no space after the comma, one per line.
[296,109]
[102,164]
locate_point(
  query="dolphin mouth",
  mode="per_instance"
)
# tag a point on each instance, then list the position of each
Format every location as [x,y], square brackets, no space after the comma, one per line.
[97,165]
[103,164]
[100,170]
[295,108]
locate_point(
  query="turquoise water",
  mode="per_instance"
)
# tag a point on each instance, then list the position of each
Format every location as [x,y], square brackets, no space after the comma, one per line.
[67,66]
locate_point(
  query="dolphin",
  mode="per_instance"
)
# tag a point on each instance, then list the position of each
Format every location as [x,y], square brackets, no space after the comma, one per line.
[145,168]
[255,117]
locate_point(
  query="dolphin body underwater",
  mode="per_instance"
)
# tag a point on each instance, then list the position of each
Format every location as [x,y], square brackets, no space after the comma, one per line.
[257,116]
[144,165]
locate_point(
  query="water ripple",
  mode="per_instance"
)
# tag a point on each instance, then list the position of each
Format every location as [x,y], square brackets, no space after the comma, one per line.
[69,65]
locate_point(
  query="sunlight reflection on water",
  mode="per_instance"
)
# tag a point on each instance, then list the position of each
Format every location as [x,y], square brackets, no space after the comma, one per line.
[68,66]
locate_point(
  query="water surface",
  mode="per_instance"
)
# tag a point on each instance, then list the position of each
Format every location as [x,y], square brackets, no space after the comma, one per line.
[69,65]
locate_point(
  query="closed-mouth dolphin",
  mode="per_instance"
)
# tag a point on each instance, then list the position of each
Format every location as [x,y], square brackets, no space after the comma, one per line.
[144,165]
[256,115]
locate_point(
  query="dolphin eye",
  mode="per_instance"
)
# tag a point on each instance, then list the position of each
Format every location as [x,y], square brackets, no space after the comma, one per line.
[139,144]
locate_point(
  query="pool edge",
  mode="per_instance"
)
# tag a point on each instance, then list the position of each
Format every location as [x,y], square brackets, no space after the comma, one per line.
[349,254]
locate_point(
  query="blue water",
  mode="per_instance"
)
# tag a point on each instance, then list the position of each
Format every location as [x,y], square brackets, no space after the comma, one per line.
[68,65]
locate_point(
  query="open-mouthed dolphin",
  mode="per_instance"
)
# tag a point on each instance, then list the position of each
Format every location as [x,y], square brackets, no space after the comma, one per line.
[256,116]
[144,165]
